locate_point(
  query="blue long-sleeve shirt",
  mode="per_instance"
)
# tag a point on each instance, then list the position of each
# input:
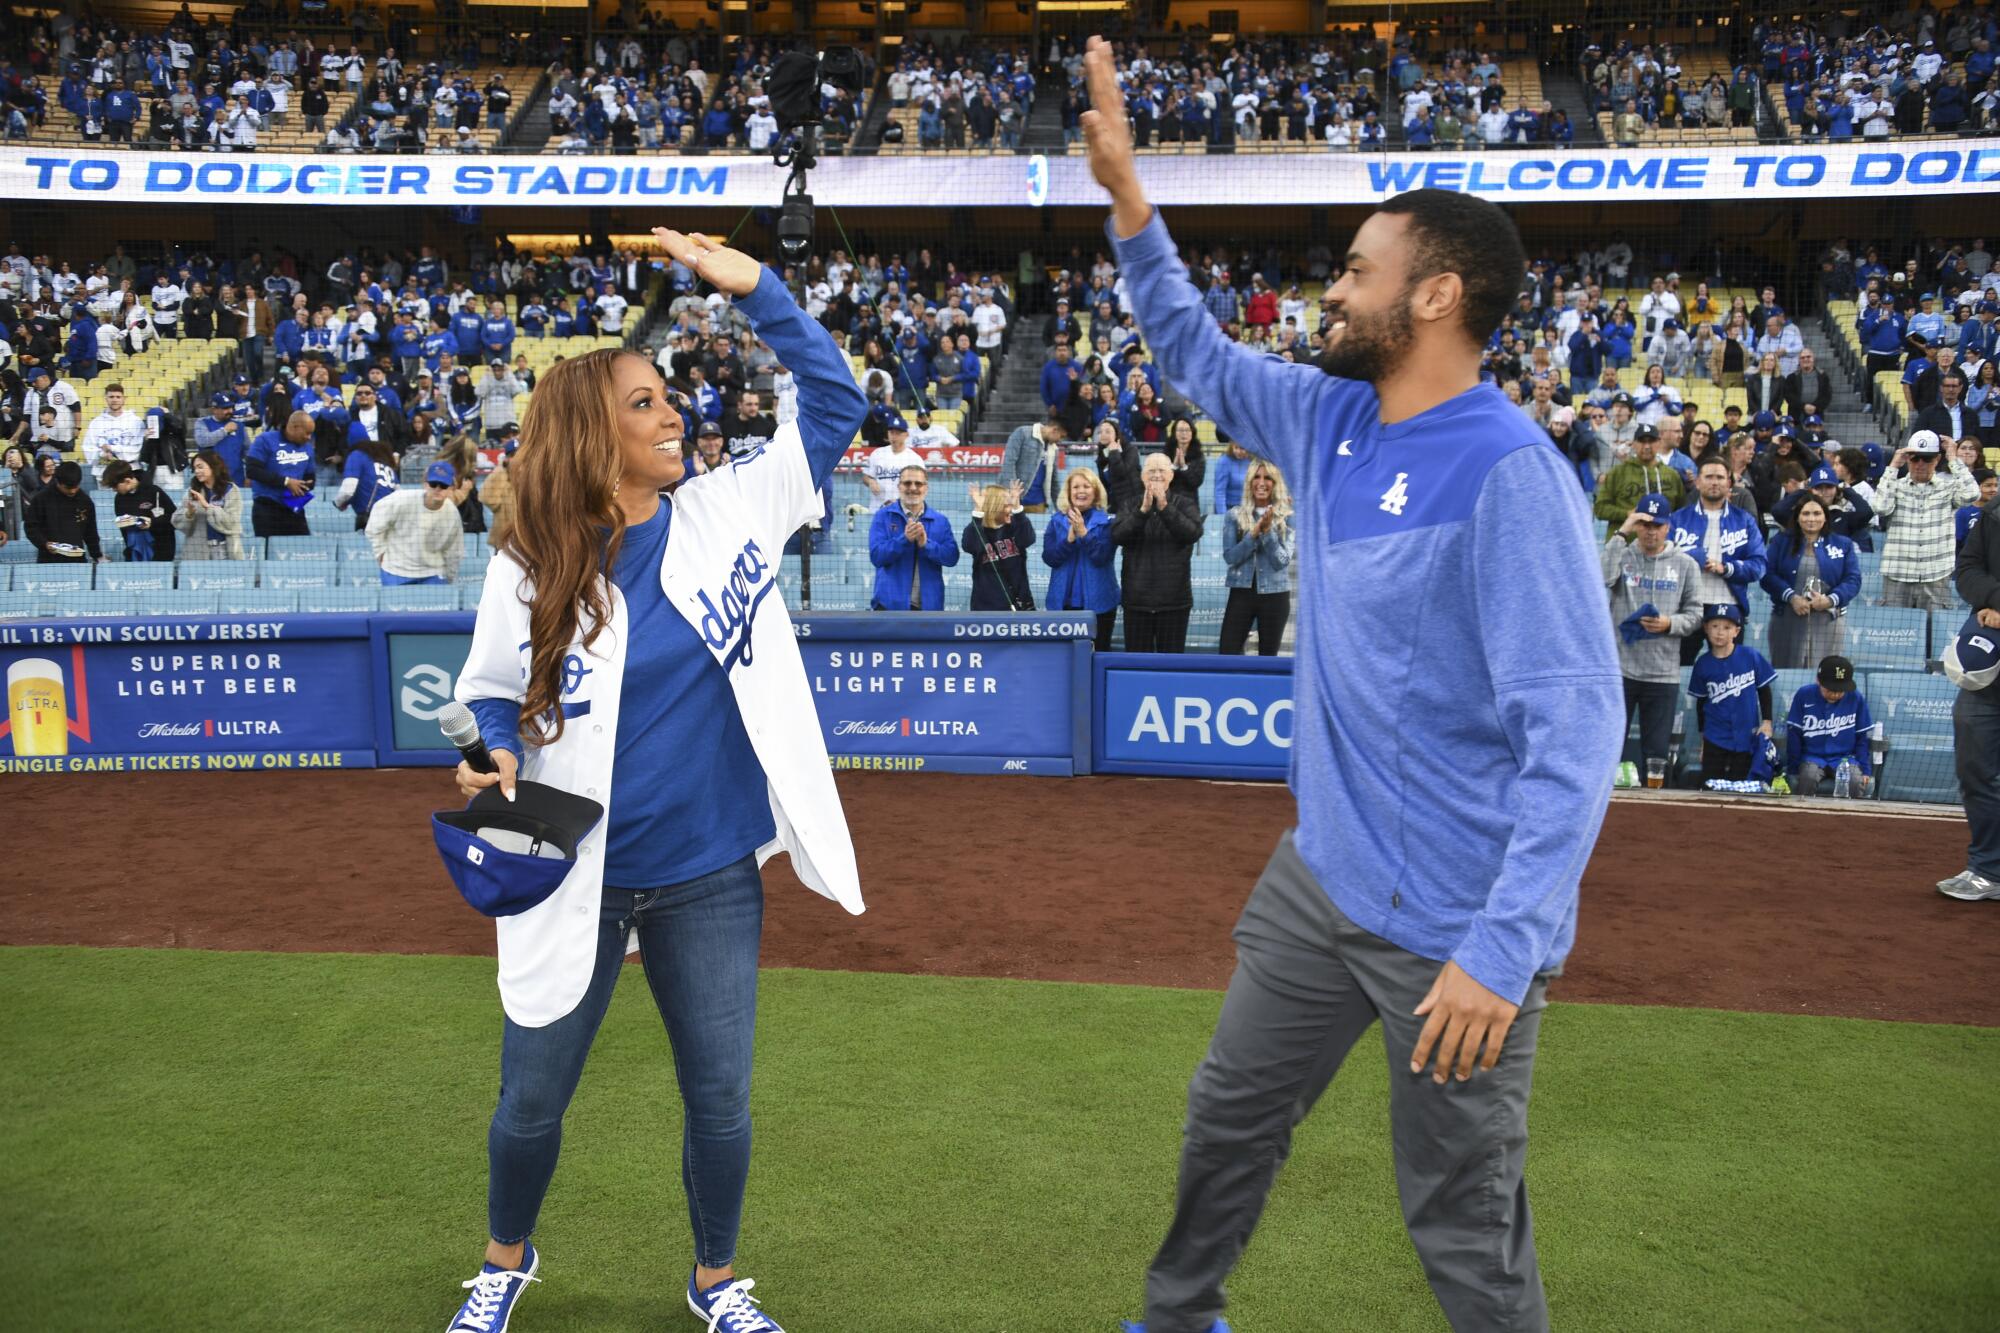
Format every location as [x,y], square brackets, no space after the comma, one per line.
[1228,472]
[1438,652]
[688,792]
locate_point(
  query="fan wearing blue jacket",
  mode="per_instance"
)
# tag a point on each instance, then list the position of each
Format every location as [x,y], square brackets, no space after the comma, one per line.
[1828,722]
[1812,576]
[911,545]
[1724,540]
[1438,655]
[1077,548]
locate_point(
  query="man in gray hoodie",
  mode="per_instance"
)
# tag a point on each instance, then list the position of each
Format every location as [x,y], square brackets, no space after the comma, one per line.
[1643,568]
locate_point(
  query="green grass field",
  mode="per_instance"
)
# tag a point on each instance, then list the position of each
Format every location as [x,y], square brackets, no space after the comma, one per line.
[210,1141]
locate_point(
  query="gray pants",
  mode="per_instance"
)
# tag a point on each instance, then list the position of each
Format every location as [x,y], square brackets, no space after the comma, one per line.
[1308,983]
[1937,595]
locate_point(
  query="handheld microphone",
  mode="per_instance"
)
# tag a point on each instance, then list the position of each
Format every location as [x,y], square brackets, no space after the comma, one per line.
[461,728]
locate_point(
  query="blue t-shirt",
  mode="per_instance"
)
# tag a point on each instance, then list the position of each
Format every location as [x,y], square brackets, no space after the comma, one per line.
[1825,733]
[688,795]
[1727,687]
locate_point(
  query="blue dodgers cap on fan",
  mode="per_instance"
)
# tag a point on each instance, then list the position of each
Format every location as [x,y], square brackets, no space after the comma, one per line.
[1654,509]
[1972,660]
[442,473]
[1729,611]
[221,400]
[508,856]
[1823,476]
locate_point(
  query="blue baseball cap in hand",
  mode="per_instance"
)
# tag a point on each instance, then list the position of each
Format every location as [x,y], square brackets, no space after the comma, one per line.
[506,857]
[1654,508]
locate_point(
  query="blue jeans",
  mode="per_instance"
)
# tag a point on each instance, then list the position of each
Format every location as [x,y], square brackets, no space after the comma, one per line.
[404,581]
[698,942]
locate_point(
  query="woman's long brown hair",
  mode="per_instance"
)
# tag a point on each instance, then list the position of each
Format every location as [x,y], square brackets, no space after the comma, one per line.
[565,475]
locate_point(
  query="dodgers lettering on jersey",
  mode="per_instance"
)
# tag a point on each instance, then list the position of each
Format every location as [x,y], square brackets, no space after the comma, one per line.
[575,702]
[728,616]
[1693,540]
[1728,688]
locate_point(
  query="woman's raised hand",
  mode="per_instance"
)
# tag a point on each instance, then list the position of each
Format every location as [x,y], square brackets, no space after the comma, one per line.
[727,270]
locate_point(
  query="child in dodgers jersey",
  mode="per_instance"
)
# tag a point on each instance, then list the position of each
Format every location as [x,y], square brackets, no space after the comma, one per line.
[1731,684]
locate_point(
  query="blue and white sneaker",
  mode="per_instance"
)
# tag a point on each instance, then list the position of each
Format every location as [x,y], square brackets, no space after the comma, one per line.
[728,1307]
[1219,1326]
[494,1292]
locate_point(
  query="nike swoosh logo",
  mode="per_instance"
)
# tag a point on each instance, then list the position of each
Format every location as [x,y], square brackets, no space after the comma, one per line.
[1344,451]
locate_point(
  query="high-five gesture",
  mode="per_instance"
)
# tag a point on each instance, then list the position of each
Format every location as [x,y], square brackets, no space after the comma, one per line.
[1108,136]
[728,270]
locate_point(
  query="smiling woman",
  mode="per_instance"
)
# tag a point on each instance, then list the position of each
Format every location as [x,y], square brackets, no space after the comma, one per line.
[628,651]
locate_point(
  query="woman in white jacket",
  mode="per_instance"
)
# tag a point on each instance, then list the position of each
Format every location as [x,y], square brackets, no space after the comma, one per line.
[627,650]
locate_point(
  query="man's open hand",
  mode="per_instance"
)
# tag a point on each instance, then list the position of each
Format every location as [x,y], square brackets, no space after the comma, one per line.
[1463,1016]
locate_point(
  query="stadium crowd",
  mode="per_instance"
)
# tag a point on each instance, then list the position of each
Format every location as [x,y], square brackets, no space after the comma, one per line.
[1102,501]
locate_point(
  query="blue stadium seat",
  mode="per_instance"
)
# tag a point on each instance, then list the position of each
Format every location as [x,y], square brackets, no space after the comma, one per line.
[17,606]
[359,574]
[320,600]
[354,546]
[420,597]
[51,578]
[1914,711]
[469,592]
[17,553]
[102,602]
[211,575]
[6,578]
[256,601]
[1887,637]
[299,573]
[301,548]
[182,602]
[127,577]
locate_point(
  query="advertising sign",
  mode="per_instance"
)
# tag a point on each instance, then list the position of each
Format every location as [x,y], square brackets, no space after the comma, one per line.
[1705,174]
[1192,715]
[951,693]
[200,693]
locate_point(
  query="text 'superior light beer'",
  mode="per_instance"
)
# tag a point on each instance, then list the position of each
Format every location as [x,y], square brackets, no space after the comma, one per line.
[38,707]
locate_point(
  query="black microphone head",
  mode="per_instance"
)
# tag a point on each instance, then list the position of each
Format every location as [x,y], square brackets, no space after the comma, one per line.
[458,724]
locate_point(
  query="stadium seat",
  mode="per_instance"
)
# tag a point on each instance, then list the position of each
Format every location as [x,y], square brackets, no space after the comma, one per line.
[313,601]
[360,574]
[212,575]
[17,553]
[17,606]
[1887,637]
[299,574]
[255,601]
[182,602]
[127,577]
[51,578]
[101,602]
[420,597]
[1913,709]
[469,592]
[301,548]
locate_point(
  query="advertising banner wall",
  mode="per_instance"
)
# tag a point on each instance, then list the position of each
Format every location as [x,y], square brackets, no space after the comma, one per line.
[934,693]
[1006,180]
[1189,715]
[220,693]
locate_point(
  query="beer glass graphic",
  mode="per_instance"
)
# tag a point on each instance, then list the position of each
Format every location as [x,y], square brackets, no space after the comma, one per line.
[38,707]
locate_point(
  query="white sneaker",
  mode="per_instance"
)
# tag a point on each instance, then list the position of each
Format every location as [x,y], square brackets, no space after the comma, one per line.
[1969,887]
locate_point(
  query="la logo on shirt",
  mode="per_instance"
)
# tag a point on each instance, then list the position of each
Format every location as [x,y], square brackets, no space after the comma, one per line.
[1396,496]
